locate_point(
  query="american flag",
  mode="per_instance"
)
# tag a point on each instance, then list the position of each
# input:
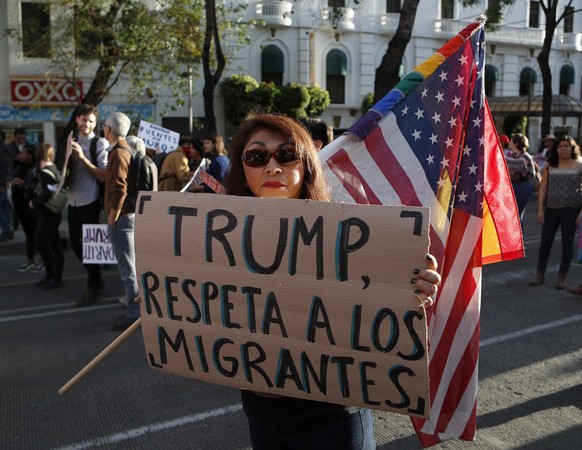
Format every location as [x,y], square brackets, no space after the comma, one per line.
[432,142]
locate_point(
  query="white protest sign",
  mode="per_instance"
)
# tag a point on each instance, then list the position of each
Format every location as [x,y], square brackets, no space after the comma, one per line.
[158,137]
[290,297]
[97,248]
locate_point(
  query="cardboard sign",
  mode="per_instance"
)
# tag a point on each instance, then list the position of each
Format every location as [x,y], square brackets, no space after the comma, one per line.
[97,248]
[158,137]
[289,297]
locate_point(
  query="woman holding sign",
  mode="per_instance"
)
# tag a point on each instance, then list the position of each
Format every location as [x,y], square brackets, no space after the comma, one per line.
[274,156]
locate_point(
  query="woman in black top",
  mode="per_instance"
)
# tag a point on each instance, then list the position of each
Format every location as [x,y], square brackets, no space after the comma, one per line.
[47,232]
[274,156]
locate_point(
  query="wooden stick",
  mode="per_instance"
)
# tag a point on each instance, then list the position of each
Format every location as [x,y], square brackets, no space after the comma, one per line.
[100,357]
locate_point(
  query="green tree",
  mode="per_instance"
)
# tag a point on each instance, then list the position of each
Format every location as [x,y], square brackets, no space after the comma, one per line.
[553,19]
[294,100]
[211,77]
[319,100]
[123,41]
[367,102]
[239,90]
[266,96]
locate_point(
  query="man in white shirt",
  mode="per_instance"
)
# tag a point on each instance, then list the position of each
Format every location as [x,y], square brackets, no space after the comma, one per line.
[86,174]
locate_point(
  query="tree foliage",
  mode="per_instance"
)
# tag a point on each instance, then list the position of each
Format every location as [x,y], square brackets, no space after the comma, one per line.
[293,100]
[245,94]
[319,100]
[494,10]
[239,90]
[367,102]
[139,48]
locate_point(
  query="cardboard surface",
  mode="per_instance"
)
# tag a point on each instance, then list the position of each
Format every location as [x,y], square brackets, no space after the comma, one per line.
[289,297]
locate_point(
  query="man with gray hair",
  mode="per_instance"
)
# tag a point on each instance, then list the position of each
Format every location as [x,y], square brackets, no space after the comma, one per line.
[120,214]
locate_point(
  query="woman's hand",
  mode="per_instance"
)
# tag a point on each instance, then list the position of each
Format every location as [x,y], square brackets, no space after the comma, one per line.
[426,282]
[540,216]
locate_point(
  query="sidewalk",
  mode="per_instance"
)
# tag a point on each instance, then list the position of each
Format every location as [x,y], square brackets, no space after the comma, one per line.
[17,246]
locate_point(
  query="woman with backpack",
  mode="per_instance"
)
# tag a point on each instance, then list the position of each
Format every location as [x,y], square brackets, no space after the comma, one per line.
[48,237]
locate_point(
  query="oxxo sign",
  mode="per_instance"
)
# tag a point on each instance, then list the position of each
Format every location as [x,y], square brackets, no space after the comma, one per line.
[39,91]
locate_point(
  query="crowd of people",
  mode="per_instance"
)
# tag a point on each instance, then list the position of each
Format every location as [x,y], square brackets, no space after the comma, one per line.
[28,177]
[95,179]
[271,156]
[555,172]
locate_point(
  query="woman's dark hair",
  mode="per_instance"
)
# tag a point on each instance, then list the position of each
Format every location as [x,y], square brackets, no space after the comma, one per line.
[314,184]
[219,148]
[553,154]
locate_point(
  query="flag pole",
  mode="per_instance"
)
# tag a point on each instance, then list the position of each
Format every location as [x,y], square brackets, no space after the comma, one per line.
[100,357]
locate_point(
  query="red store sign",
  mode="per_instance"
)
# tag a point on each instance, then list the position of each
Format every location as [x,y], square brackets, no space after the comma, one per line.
[43,92]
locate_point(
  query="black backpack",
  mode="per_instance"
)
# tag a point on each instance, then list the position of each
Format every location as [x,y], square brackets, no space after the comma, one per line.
[159,160]
[93,153]
[142,176]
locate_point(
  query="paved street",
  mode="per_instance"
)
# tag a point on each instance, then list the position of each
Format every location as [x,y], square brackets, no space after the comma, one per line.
[530,391]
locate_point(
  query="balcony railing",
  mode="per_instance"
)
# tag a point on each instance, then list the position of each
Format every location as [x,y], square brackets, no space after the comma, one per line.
[389,22]
[506,34]
[274,13]
[570,41]
[340,18]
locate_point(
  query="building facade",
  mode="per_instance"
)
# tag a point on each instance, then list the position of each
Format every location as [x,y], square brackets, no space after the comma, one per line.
[336,44]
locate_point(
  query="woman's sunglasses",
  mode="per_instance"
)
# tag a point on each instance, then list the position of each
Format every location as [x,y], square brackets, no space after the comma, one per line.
[260,158]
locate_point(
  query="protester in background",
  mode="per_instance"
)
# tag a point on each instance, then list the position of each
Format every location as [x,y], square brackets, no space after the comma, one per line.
[198,163]
[23,187]
[504,139]
[47,231]
[321,131]
[120,214]
[215,150]
[86,174]
[175,170]
[197,154]
[541,158]
[559,206]
[6,162]
[548,144]
[274,156]
[521,171]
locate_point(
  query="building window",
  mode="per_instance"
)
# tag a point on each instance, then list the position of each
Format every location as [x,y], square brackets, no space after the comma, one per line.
[491,78]
[527,79]
[272,65]
[534,14]
[567,75]
[36,29]
[568,19]
[336,69]
[447,9]
[336,3]
[393,6]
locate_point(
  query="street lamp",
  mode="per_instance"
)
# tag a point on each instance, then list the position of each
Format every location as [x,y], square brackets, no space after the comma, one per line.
[188,74]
